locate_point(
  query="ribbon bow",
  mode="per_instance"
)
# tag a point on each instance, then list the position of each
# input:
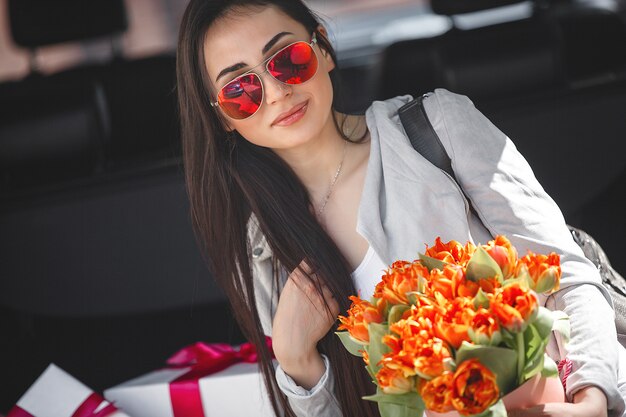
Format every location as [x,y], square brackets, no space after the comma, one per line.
[203,359]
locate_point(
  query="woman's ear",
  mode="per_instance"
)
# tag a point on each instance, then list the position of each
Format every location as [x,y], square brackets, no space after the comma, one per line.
[329,63]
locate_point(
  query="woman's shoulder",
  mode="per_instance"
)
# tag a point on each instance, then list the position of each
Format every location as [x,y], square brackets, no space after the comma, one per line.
[436,103]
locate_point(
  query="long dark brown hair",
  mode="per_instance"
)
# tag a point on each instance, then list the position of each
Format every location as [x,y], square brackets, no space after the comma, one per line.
[228,178]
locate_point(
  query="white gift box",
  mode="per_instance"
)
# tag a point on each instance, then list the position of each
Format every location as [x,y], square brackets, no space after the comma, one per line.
[237,391]
[57,394]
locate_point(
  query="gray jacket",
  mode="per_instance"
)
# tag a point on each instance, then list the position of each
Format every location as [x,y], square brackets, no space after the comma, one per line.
[407,202]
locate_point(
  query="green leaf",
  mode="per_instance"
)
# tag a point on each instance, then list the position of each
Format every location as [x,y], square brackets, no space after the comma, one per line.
[521,280]
[396,312]
[534,354]
[377,348]
[481,265]
[481,300]
[533,366]
[549,367]
[508,338]
[532,342]
[351,344]
[546,284]
[410,399]
[396,410]
[413,296]
[483,339]
[544,322]
[521,356]
[432,263]
[536,338]
[501,361]
[496,410]
[561,324]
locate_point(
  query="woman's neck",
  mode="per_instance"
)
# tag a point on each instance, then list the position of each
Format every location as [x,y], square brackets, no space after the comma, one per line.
[316,162]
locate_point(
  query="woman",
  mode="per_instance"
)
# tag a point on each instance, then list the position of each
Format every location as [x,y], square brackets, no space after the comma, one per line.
[288,196]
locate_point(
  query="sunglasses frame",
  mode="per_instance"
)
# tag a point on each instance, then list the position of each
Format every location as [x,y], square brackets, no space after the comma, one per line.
[265,63]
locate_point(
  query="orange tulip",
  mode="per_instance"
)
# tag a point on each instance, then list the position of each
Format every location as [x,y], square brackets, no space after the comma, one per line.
[360,314]
[489,285]
[402,277]
[505,255]
[514,306]
[545,271]
[452,252]
[453,325]
[416,355]
[484,329]
[474,388]
[393,381]
[450,282]
[421,315]
[437,393]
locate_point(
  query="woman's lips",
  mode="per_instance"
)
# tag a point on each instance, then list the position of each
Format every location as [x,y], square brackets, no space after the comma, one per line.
[292,116]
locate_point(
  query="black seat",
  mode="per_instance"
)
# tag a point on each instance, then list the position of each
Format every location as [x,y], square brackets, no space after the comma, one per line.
[94,118]
[555,49]
[142,104]
[494,61]
[52,129]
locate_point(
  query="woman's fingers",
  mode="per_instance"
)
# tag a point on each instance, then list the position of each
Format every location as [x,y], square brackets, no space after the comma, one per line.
[310,285]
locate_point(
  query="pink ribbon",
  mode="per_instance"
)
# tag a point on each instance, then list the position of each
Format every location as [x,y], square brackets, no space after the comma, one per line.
[564,368]
[86,409]
[204,359]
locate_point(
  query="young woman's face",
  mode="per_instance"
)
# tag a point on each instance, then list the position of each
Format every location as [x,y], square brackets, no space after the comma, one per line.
[241,38]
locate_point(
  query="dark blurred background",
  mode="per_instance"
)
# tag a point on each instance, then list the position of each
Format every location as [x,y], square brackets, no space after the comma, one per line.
[99,269]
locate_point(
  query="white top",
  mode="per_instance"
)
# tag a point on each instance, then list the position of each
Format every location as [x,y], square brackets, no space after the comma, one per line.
[368,274]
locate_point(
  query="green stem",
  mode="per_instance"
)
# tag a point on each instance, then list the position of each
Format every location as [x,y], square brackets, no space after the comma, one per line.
[521,353]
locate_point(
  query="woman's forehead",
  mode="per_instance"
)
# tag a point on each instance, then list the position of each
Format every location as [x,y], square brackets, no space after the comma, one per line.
[240,37]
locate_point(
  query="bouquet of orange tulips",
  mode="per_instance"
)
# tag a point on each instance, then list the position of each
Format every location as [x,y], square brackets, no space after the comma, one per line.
[457,329]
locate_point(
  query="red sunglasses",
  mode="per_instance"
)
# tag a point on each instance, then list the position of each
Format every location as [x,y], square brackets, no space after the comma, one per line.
[242,97]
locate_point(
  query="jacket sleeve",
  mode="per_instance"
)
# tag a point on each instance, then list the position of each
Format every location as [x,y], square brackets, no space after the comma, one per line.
[319,400]
[510,201]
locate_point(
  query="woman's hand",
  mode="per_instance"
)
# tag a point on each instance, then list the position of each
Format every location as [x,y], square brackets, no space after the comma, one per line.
[301,320]
[588,402]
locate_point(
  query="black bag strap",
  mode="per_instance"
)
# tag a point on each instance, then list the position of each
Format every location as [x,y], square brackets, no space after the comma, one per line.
[422,134]
[425,140]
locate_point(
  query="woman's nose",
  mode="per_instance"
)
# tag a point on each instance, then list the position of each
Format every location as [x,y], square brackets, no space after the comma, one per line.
[274,89]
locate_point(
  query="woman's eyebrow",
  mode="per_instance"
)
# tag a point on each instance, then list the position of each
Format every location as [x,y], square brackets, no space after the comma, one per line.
[265,49]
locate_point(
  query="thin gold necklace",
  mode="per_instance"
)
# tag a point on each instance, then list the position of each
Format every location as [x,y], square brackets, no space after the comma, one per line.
[332,183]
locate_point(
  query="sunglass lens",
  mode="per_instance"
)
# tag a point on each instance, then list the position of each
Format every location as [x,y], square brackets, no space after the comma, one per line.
[295,64]
[242,97]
